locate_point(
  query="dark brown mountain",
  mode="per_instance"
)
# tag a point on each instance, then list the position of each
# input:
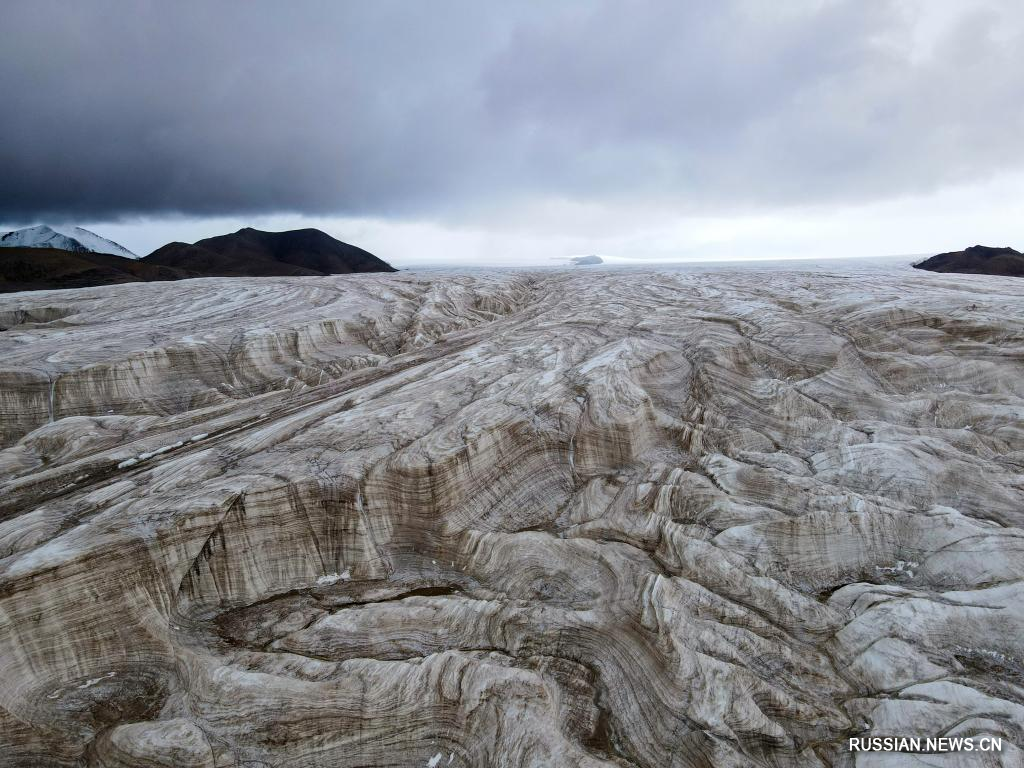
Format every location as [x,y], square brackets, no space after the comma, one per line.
[253,253]
[34,269]
[977,260]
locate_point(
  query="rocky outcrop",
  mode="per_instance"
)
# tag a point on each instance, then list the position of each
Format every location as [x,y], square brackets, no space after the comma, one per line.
[253,253]
[977,260]
[605,519]
[246,253]
[41,269]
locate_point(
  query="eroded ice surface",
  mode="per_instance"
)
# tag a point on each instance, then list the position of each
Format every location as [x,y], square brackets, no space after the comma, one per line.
[574,518]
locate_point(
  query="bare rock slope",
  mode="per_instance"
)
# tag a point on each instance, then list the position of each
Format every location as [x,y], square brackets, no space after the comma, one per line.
[553,519]
[254,253]
[35,268]
[977,260]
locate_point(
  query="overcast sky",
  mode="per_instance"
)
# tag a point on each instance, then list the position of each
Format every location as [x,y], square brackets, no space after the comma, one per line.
[495,132]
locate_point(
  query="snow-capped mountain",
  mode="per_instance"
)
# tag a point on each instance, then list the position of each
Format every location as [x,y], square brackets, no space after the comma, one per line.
[64,239]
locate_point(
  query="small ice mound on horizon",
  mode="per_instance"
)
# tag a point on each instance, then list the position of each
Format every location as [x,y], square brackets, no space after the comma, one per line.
[584,260]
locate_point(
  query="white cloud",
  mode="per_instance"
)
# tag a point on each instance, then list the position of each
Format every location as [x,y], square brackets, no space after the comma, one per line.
[436,132]
[990,212]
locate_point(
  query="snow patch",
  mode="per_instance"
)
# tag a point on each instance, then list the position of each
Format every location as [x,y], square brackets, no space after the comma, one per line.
[52,554]
[92,681]
[433,762]
[146,455]
[334,578]
[64,239]
[902,568]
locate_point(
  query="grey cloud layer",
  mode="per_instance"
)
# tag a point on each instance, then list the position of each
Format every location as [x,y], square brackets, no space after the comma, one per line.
[390,108]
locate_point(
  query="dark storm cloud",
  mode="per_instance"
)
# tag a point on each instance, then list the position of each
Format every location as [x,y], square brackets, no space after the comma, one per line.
[111,109]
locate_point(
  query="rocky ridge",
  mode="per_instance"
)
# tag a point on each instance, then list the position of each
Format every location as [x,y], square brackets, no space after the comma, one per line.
[977,260]
[255,253]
